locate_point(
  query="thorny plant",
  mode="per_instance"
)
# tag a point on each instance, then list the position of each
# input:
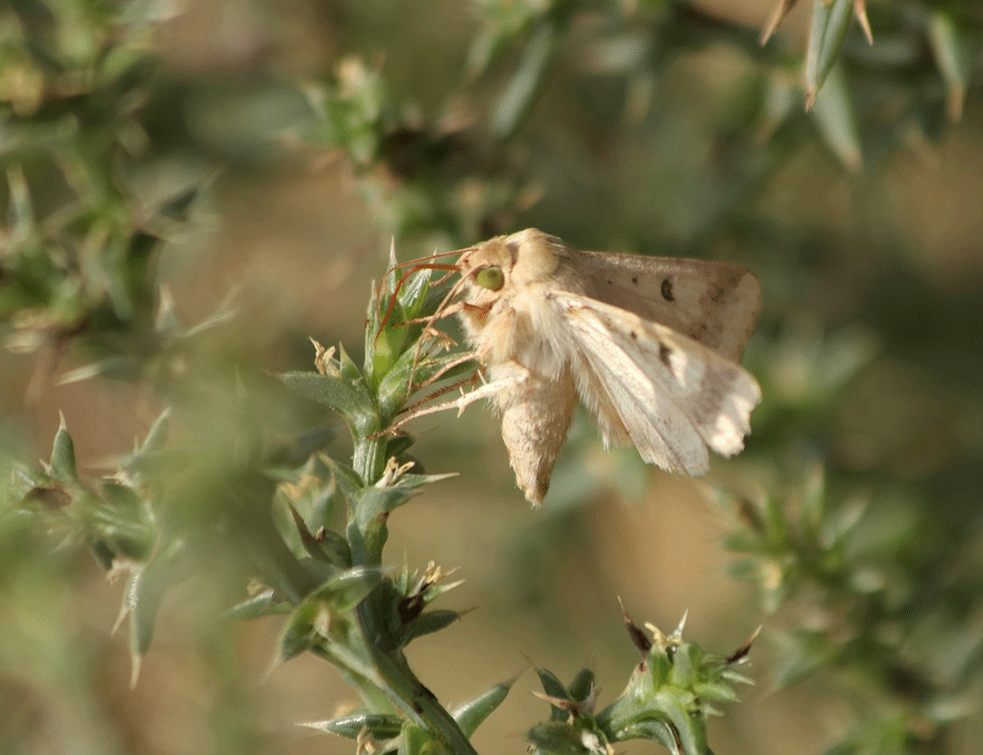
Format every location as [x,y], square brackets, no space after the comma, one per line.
[871,575]
[402,355]
[342,602]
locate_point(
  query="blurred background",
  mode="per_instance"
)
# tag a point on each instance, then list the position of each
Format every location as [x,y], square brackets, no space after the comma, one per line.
[195,188]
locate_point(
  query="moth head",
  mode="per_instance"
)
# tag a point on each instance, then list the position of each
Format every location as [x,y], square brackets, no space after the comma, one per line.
[521,258]
[486,269]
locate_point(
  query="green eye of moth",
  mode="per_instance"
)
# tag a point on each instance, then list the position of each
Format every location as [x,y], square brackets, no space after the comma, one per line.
[490,277]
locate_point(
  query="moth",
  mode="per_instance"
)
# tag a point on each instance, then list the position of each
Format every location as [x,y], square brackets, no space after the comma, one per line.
[649,345]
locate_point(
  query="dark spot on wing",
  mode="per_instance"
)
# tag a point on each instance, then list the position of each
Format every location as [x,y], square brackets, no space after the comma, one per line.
[664,353]
[610,283]
[634,335]
[718,294]
[634,279]
[667,290]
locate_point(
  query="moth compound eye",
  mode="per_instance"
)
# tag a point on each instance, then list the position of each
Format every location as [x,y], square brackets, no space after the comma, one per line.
[490,277]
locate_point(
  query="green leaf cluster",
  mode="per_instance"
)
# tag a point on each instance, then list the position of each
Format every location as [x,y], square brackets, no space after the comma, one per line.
[668,697]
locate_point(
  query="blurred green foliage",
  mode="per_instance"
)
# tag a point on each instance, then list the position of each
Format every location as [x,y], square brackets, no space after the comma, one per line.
[649,126]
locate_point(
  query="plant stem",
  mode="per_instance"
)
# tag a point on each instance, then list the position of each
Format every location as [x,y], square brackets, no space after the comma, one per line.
[369,459]
[404,690]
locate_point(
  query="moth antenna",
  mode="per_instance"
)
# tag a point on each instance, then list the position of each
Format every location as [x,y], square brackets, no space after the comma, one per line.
[419,266]
[392,298]
[429,257]
[464,358]
[417,320]
[441,281]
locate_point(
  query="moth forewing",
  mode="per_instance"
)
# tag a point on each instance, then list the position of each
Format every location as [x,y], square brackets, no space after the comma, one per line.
[714,303]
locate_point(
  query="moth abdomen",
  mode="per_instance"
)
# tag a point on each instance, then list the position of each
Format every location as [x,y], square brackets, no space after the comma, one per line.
[536,416]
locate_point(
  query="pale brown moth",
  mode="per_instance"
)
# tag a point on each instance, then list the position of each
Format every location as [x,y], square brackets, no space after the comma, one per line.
[649,345]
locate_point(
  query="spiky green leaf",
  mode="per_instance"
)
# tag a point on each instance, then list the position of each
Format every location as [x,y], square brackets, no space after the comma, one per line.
[830,19]
[470,715]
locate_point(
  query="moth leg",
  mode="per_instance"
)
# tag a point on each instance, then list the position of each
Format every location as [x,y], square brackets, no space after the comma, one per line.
[443,340]
[440,392]
[429,331]
[452,309]
[464,359]
[511,381]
